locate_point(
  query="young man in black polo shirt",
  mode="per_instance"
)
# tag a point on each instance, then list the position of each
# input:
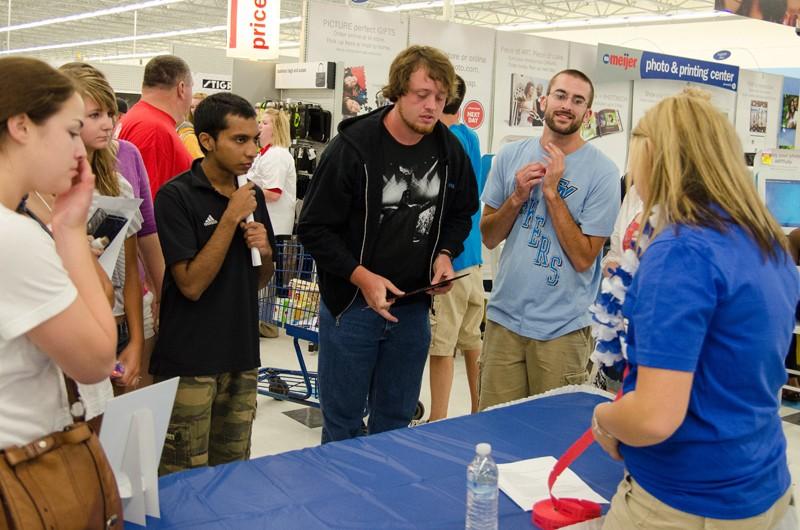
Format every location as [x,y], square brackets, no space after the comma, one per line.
[209,309]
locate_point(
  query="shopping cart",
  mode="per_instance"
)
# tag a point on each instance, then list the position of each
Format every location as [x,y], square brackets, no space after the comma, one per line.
[291,301]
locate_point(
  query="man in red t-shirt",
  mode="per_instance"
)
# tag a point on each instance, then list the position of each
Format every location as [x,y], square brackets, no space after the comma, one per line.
[150,124]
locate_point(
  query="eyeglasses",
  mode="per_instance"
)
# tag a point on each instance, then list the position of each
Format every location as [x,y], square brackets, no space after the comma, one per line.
[561,97]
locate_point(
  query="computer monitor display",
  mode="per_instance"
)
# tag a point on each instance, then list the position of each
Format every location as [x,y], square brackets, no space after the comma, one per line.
[782,197]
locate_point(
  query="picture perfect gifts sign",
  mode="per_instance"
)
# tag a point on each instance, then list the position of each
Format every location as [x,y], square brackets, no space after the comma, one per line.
[253,29]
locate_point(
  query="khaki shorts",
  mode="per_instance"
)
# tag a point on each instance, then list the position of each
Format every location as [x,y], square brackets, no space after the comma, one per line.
[457,316]
[633,507]
[514,367]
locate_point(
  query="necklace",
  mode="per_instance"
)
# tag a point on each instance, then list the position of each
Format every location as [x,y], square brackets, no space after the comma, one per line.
[46,205]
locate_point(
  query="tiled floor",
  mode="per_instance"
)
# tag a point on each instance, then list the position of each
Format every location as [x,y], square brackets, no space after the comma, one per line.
[274,432]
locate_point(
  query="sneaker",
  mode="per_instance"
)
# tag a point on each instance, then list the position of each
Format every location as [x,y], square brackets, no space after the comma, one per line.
[267,330]
[417,423]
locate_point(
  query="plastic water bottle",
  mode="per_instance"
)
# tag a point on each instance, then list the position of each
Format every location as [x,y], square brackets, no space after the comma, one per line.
[482,490]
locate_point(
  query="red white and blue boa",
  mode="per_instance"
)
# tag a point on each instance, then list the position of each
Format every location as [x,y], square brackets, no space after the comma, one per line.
[609,328]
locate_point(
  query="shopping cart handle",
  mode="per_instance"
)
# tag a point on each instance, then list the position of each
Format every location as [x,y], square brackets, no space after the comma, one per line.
[255,255]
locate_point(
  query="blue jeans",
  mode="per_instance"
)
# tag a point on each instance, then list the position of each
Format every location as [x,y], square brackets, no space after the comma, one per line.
[364,358]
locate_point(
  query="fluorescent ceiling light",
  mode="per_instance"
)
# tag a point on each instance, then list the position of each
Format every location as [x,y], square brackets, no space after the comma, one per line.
[613,21]
[90,14]
[128,38]
[283,45]
[432,4]
[109,11]
[126,56]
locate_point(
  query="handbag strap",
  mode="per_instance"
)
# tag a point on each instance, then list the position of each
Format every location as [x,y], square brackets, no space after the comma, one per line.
[74,434]
[76,408]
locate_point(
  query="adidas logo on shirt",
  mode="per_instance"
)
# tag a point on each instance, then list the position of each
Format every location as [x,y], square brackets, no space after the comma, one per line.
[210,221]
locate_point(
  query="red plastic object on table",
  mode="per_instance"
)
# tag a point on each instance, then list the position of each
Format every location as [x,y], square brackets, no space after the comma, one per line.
[554,513]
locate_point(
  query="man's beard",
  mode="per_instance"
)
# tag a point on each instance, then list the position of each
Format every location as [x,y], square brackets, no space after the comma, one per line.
[566,130]
[419,129]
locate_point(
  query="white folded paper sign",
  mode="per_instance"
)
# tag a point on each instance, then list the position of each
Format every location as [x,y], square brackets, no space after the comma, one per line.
[525,482]
[132,436]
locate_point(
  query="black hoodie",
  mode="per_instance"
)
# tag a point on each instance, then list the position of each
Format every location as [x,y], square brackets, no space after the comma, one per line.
[341,210]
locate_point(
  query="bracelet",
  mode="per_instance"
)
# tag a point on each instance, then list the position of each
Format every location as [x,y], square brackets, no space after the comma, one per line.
[598,430]
[445,252]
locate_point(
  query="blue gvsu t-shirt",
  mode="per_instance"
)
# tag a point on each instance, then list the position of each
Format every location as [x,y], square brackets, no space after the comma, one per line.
[537,293]
[709,303]
[471,254]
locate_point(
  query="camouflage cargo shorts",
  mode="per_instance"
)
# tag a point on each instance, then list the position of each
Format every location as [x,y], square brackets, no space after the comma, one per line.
[211,421]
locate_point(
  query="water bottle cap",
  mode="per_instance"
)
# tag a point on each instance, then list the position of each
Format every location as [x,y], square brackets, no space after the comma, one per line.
[483,449]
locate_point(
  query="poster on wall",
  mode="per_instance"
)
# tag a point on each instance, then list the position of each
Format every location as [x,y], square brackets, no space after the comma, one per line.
[469,49]
[648,92]
[758,110]
[365,41]
[787,134]
[524,65]
[608,128]
[776,175]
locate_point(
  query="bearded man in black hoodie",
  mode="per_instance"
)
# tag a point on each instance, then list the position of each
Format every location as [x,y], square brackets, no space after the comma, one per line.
[387,209]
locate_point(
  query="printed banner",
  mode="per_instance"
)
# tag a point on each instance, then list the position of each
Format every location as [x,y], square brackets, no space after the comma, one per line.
[472,56]
[524,65]
[254,29]
[648,92]
[787,134]
[617,63]
[364,40]
[609,126]
[758,110]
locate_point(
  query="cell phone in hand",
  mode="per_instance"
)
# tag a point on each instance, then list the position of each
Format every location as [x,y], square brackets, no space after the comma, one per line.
[104,225]
[392,296]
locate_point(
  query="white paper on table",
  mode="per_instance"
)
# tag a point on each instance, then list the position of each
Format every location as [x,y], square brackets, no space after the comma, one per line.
[121,207]
[525,482]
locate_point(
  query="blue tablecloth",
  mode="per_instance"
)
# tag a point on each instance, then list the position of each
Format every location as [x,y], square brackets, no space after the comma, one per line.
[409,478]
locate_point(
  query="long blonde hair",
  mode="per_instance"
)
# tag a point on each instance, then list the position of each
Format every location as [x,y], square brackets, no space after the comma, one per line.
[695,167]
[280,127]
[91,83]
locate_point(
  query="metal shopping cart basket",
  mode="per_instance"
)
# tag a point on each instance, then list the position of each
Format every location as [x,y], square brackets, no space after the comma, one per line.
[291,301]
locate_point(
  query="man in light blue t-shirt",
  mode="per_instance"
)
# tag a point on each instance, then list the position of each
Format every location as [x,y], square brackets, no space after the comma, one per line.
[553,200]
[457,315]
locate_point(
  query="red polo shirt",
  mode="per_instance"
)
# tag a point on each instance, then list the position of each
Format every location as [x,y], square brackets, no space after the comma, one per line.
[153,131]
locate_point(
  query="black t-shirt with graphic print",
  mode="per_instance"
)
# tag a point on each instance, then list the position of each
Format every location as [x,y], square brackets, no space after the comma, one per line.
[411,182]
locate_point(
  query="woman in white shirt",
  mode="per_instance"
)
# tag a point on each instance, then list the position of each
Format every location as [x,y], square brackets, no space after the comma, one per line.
[53,313]
[626,228]
[273,171]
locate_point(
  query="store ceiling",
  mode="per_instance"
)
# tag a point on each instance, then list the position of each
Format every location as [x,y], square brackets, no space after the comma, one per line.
[210,16]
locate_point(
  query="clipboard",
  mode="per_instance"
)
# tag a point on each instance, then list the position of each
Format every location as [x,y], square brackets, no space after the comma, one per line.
[392,296]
